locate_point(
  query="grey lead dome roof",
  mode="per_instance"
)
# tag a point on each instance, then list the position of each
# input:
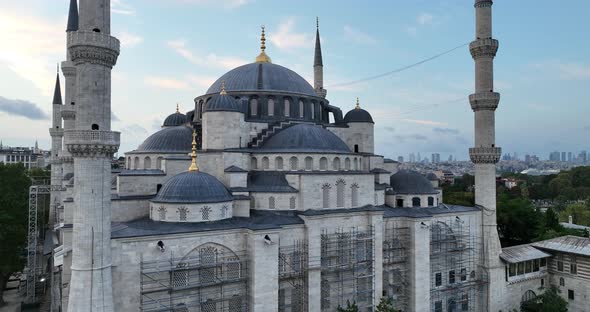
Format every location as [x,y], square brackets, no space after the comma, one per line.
[410,182]
[173,139]
[305,137]
[262,77]
[358,115]
[222,102]
[176,119]
[193,187]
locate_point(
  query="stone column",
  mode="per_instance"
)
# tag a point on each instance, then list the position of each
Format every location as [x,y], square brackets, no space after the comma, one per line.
[92,144]
[264,271]
[485,154]
[419,265]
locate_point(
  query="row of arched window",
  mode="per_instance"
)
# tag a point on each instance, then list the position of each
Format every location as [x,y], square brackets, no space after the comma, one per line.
[308,163]
[182,212]
[340,192]
[272,203]
[416,202]
[134,163]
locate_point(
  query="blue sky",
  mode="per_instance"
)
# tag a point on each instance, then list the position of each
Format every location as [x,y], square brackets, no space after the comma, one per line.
[173,49]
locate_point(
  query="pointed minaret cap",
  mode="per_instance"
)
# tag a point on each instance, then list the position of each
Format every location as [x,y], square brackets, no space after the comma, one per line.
[194,166]
[358,105]
[73,16]
[177,108]
[57,91]
[262,57]
[317,59]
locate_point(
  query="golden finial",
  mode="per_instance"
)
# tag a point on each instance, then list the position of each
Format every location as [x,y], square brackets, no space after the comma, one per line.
[358,106]
[194,166]
[262,57]
[177,108]
[223,88]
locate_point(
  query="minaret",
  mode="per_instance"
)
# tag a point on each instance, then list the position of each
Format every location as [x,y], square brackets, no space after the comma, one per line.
[68,112]
[92,144]
[485,154]
[318,66]
[56,131]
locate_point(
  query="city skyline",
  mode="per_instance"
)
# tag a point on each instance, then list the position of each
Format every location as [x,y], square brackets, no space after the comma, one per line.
[424,108]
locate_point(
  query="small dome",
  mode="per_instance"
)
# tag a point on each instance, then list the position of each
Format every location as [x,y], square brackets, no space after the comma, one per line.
[431,177]
[410,182]
[305,138]
[222,102]
[176,119]
[169,140]
[263,77]
[358,115]
[193,187]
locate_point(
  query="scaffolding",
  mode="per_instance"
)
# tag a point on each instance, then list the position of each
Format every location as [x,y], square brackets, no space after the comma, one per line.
[213,279]
[293,267]
[456,282]
[347,268]
[396,243]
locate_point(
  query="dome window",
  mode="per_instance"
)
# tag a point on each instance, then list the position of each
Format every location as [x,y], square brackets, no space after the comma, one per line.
[94,127]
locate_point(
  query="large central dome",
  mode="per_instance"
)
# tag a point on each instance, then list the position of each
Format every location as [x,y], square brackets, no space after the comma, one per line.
[263,77]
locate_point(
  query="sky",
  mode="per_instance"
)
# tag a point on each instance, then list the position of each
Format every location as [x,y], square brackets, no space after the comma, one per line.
[172,50]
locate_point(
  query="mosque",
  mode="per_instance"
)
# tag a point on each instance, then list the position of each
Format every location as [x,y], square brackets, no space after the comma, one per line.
[267,197]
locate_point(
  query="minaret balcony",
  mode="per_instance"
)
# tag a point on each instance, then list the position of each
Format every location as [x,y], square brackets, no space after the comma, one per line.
[484,101]
[68,112]
[88,143]
[56,132]
[93,47]
[483,3]
[486,47]
[66,159]
[68,69]
[485,155]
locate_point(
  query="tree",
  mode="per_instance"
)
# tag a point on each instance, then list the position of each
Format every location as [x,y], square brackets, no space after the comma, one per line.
[551,219]
[518,222]
[14,192]
[350,307]
[549,301]
[579,212]
[385,305]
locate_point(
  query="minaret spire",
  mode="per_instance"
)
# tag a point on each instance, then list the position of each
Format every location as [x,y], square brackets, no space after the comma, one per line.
[73,16]
[194,166]
[262,57]
[57,90]
[318,65]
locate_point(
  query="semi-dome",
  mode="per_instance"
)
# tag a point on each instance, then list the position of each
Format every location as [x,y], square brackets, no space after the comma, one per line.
[263,77]
[176,119]
[358,115]
[411,182]
[305,137]
[222,102]
[193,187]
[168,140]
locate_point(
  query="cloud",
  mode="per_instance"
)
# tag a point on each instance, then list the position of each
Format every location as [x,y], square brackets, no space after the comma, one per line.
[587,128]
[424,19]
[285,38]
[425,122]
[120,7]
[166,83]
[201,81]
[357,36]
[410,137]
[22,108]
[128,39]
[228,4]
[565,71]
[212,59]
[411,30]
[390,129]
[446,130]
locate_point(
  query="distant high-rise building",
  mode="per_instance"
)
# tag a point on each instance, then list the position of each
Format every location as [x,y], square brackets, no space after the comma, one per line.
[400,158]
[412,158]
[563,159]
[450,158]
[435,158]
[419,157]
[527,158]
[569,157]
[583,157]
[554,156]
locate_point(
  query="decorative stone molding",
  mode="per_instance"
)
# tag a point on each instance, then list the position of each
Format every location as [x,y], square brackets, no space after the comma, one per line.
[55,160]
[66,159]
[89,143]
[68,112]
[483,48]
[483,3]
[485,155]
[484,101]
[68,69]
[56,132]
[93,47]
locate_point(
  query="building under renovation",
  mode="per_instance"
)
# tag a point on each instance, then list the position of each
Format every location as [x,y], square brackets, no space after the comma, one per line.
[264,197]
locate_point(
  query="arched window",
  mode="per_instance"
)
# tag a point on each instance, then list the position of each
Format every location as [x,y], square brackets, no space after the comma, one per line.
[271,202]
[356,148]
[415,201]
[340,193]
[182,213]
[159,161]
[294,163]
[561,281]
[253,107]
[224,210]
[287,107]
[292,202]
[326,195]
[180,275]
[356,164]
[336,163]
[162,213]
[301,109]
[205,213]
[254,163]
[528,295]
[136,163]
[279,163]
[354,188]
[208,258]
[399,202]
[430,201]
[94,127]
[147,163]
[265,162]
[308,163]
[347,163]
[323,163]
[271,107]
